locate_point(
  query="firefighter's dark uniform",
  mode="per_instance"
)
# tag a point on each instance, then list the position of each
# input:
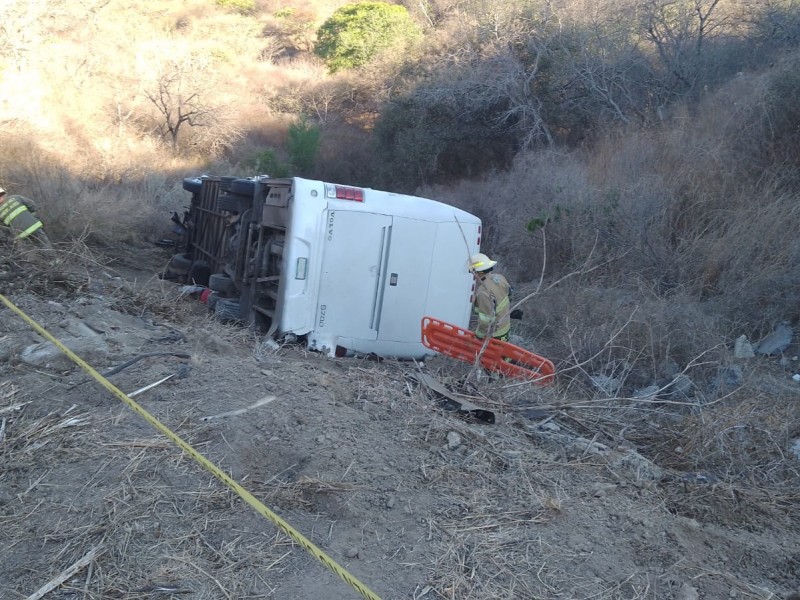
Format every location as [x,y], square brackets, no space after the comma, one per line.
[15,213]
[492,305]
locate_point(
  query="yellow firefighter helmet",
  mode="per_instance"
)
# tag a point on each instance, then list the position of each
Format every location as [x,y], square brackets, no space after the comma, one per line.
[480,262]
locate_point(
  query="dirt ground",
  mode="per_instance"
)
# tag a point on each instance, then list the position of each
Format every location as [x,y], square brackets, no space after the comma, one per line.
[416,500]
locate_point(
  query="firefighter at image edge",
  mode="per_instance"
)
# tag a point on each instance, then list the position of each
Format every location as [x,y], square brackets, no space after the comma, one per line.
[492,302]
[17,213]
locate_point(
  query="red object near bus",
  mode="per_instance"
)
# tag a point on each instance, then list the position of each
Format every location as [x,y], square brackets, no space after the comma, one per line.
[503,357]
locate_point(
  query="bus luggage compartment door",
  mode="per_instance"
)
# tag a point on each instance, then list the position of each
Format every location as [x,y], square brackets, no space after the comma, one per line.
[353,272]
[406,282]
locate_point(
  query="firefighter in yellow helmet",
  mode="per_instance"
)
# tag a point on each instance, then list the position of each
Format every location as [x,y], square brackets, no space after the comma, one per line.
[17,213]
[492,302]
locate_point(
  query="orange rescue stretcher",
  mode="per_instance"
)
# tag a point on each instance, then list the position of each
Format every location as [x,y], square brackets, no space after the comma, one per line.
[503,357]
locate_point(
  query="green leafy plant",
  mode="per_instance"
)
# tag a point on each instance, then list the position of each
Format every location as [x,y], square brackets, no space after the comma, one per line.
[267,163]
[355,33]
[240,6]
[302,144]
[546,217]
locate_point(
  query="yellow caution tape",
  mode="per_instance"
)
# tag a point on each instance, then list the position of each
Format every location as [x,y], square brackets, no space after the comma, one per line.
[209,466]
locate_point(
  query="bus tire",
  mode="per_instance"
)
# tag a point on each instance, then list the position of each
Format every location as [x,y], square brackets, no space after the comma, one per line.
[227,310]
[221,283]
[180,262]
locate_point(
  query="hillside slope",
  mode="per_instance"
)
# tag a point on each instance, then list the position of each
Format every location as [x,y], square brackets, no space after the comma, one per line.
[554,500]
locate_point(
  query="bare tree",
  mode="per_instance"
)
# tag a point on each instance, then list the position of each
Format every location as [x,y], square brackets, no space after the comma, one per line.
[516,81]
[775,21]
[679,30]
[500,91]
[498,69]
[179,101]
[605,71]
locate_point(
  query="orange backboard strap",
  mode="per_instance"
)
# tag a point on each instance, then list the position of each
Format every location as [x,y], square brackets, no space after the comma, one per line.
[503,357]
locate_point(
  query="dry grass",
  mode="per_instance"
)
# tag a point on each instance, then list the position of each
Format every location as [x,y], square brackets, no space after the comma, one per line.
[116,203]
[139,522]
[45,273]
[73,269]
[726,451]
[501,497]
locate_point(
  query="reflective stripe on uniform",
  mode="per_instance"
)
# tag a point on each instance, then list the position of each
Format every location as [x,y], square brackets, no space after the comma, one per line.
[14,214]
[30,230]
[488,320]
[501,309]
[484,318]
[503,306]
[492,307]
[7,205]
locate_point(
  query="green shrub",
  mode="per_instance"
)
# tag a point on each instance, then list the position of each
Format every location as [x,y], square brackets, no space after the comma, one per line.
[302,145]
[241,6]
[355,33]
[267,163]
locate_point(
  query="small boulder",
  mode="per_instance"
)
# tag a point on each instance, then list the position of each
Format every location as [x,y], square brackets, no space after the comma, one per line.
[9,345]
[687,592]
[777,341]
[453,440]
[795,448]
[47,354]
[78,328]
[681,387]
[604,383]
[742,348]
[649,392]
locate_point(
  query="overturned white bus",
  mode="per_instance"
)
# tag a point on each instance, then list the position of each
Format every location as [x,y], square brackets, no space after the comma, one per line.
[350,269]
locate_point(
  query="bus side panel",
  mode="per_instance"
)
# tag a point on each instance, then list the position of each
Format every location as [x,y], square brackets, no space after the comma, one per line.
[302,257]
[449,296]
[405,288]
[353,269]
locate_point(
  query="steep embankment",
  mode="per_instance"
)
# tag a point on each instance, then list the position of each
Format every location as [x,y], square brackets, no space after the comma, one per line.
[554,500]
